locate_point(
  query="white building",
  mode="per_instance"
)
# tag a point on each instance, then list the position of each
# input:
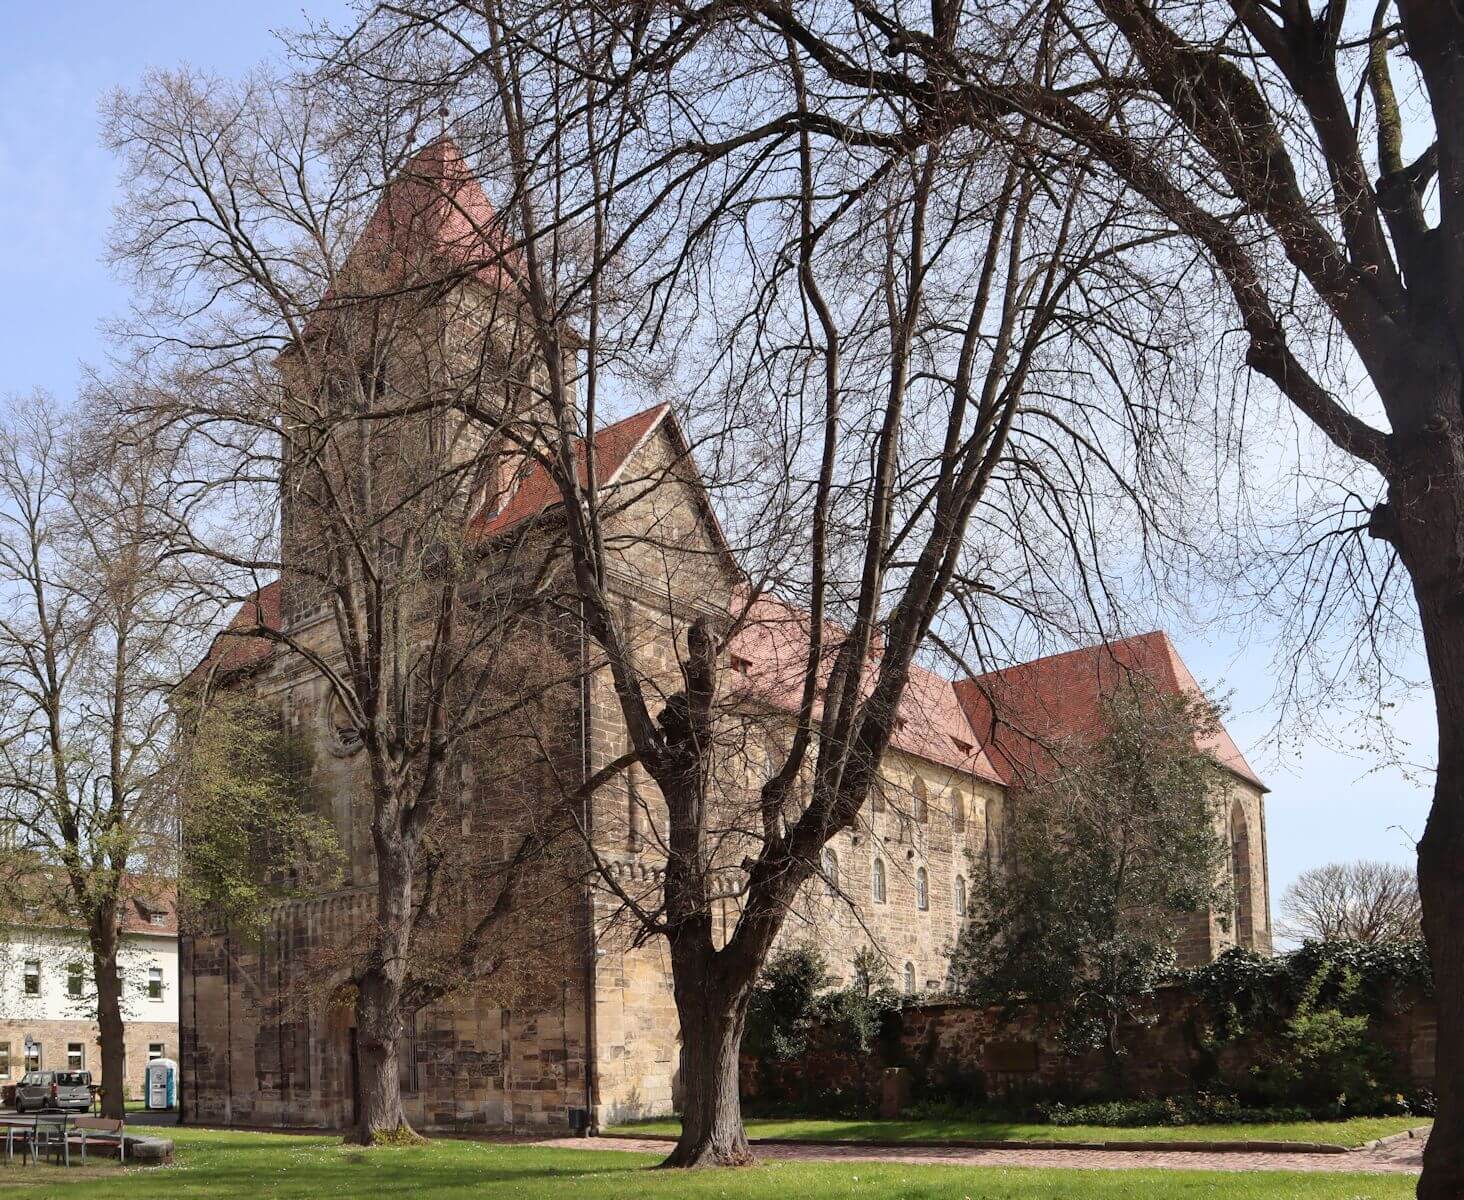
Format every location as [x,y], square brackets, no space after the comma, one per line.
[48,996]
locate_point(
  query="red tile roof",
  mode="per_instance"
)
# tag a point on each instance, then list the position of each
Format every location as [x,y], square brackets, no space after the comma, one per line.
[614,444]
[433,220]
[1013,712]
[769,652]
[233,651]
[537,491]
[154,912]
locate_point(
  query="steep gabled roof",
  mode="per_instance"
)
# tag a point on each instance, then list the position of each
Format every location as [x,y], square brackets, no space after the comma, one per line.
[1016,711]
[769,652]
[433,223]
[537,491]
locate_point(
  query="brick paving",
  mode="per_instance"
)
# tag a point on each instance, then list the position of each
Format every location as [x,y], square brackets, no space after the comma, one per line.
[1401,1157]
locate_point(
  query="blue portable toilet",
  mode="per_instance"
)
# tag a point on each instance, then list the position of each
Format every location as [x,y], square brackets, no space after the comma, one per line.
[160,1084]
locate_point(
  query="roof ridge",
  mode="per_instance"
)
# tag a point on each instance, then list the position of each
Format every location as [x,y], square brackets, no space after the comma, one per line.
[1085,649]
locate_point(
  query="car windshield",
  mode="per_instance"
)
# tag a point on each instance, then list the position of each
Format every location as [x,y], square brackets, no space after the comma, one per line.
[74,1078]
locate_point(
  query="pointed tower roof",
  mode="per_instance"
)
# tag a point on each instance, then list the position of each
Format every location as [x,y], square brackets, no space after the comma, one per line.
[433,222]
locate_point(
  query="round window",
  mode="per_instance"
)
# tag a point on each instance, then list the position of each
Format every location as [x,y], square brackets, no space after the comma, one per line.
[341,734]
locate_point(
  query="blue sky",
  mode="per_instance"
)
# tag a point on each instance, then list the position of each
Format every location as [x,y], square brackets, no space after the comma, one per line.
[57,187]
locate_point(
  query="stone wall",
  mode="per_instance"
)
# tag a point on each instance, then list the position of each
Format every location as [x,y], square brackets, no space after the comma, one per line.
[263,1045]
[961,1051]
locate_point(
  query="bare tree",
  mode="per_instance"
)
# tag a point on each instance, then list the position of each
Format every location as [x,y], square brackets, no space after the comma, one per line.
[319,339]
[1362,901]
[878,317]
[1309,159]
[97,618]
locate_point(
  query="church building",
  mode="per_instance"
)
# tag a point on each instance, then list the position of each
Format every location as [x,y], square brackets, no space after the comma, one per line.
[606,1046]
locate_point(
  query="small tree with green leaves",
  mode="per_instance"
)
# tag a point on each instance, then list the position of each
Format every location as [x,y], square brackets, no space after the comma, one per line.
[254,832]
[1106,856]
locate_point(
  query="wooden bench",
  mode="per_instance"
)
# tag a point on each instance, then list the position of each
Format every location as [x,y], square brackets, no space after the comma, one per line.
[100,1131]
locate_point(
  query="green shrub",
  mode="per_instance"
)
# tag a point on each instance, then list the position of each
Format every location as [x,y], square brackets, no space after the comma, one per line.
[1201,1108]
[783,1011]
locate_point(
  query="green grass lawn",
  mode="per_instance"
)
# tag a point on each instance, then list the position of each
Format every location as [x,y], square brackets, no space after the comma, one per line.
[258,1166]
[1353,1132]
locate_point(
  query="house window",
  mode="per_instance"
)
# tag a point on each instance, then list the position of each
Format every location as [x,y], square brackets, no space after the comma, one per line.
[909,979]
[156,917]
[33,1056]
[831,871]
[75,1056]
[75,979]
[155,983]
[32,982]
[4,1060]
[155,1051]
[879,881]
[922,890]
[960,895]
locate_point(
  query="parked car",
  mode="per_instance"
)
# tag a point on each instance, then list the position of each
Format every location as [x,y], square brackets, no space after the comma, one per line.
[54,1089]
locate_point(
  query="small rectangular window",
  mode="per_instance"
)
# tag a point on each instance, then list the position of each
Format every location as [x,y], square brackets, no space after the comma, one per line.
[75,1056]
[75,979]
[155,1050]
[32,977]
[155,983]
[33,1056]
[4,1060]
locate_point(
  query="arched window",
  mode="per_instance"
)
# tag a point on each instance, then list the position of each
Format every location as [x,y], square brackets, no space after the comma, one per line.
[879,881]
[921,807]
[831,871]
[909,979]
[922,890]
[1240,879]
[993,834]
[960,895]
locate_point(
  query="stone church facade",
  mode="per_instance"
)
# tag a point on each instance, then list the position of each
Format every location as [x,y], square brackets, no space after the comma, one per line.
[604,1045]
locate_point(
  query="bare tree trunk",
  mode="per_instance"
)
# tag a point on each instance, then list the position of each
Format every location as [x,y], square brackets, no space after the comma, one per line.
[379,992]
[1423,520]
[712,1022]
[110,1025]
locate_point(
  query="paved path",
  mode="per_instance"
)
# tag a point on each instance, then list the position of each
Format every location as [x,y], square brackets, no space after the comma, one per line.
[1401,1157]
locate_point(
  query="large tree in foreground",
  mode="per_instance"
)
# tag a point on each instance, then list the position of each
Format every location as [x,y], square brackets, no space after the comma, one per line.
[1313,158]
[862,330]
[317,337]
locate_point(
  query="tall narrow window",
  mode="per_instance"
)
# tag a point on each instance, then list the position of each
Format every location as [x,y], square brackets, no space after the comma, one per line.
[831,871]
[879,881]
[920,810]
[33,1056]
[909,979]
[32,977]
[4,1060]
[960,895]
[75,1056]
[155,983]
[75,979]
[922,890]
